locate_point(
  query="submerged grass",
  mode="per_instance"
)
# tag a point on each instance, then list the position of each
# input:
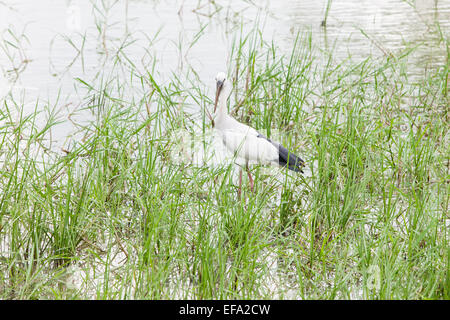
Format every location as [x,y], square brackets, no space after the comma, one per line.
[120,216]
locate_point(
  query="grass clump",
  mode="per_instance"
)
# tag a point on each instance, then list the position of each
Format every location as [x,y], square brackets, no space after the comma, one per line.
[123,212]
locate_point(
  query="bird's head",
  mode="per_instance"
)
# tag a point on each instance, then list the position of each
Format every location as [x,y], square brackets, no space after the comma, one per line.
[221,77]
[221,82]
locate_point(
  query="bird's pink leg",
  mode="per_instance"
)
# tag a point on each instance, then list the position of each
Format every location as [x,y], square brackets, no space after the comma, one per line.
[250,178]
[240,183]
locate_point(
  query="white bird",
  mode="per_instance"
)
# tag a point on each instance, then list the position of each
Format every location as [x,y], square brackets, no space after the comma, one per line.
[244,141]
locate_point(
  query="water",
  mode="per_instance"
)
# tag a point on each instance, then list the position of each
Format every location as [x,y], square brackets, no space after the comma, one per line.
[63,40]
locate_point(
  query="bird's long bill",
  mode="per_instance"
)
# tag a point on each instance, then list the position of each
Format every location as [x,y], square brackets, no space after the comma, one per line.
[218,90]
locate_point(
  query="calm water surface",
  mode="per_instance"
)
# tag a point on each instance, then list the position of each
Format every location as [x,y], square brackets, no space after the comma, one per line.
[199,34]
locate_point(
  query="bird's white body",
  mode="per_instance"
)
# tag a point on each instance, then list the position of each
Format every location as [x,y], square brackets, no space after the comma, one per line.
[248,146]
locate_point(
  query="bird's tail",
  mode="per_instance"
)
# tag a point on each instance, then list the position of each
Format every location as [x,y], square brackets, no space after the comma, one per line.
[290,160]
[286,158]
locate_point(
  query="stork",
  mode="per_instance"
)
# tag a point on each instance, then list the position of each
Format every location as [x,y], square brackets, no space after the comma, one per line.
[244,141]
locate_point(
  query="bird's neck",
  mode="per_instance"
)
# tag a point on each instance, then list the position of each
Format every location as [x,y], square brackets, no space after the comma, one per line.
[221,110]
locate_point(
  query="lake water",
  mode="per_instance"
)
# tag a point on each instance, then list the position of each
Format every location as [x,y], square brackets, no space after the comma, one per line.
[57,41]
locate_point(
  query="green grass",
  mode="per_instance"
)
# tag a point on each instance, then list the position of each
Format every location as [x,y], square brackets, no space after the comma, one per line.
[121,215]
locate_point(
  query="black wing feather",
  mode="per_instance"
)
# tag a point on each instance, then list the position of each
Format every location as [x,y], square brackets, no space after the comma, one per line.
[286,158]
